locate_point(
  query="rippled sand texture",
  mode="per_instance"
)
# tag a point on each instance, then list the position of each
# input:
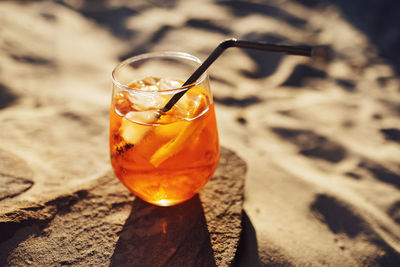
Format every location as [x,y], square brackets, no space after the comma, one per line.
[321,139]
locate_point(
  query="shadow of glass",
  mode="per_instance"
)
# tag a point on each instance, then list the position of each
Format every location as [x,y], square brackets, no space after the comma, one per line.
[164,236]
[247,251]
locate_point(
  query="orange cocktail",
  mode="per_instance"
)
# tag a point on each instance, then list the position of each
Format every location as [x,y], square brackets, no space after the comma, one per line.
[163,158]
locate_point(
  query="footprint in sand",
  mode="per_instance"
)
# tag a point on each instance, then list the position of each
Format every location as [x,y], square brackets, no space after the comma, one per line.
[394,212]
[313,145]
[267,62]
[343,218]
[238,102]
[380,172]
[301,74]
[6,97]
[391,134]
[246,8]
[205,24]
[339,217]
[346,84]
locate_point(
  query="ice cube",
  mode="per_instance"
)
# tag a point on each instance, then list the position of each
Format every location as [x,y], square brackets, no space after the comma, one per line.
[145,97]
[143,117]
[167,84]
[146,101]
[150,88]
[122,104]
[149,80]
[136,125]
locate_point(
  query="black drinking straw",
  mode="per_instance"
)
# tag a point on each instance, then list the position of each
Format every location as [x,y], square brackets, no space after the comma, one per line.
[291,50]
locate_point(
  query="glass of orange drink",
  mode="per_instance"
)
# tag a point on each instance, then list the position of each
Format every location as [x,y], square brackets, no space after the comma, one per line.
[164,158]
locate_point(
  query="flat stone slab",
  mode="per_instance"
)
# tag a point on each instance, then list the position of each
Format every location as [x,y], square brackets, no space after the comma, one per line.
[15,175]
[103,224]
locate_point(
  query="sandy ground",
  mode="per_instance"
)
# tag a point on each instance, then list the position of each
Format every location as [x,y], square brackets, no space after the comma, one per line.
[321,139]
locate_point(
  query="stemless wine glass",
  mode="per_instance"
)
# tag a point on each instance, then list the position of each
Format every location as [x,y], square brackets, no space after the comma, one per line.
[162,157]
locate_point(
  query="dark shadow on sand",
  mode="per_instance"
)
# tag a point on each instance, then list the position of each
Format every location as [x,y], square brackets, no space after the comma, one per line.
[379,20]
[176,236]
[313,145]
[246,8]
[341,218]
[247,251]
[164,236]
[6,97]
[266,62]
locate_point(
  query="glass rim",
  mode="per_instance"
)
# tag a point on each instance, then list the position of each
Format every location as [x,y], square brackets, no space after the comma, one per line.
[150,55]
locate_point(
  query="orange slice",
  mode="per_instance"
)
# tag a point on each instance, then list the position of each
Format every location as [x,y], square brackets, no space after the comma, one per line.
[187,131]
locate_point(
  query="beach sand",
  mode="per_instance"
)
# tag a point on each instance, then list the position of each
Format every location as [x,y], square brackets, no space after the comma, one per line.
[321,139]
